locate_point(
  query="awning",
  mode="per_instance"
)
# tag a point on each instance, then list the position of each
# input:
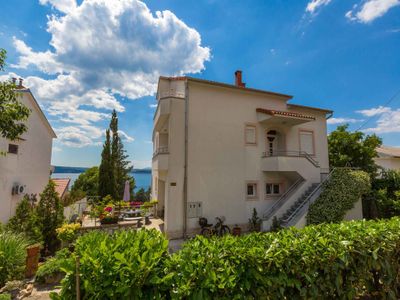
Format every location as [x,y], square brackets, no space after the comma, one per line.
[278,117]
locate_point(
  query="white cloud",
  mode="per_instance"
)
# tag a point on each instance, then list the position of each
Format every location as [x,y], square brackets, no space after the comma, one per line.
[61,5]
[370,10]
[103,49]
[334,121]
[125,137]
[388,119]
[374,111]
[153,105]
[314,5]
[79,136]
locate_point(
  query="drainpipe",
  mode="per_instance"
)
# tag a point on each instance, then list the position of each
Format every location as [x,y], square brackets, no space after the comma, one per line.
[186,160]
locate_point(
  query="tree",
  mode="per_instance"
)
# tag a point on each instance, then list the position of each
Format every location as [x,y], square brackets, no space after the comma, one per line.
[50,215]
[87,182]
[140,195]
[12,112]
[121,165]
[353,149]
[106,170]
[25,220]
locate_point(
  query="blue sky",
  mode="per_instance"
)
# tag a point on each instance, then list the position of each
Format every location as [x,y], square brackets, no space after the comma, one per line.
[83,58]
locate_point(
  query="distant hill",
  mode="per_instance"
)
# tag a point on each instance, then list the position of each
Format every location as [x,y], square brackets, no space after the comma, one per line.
[64,169]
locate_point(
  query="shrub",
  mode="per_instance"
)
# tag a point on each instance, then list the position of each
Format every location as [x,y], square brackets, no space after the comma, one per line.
[330,261]
[68,232]
[327,261]
[25,220]
[12,255]
[5,297]
[344,188]
[54,266]
[124,265]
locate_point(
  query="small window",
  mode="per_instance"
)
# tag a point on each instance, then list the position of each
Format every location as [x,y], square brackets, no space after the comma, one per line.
[250,135]
[12,148]
[251,190]
[272,189]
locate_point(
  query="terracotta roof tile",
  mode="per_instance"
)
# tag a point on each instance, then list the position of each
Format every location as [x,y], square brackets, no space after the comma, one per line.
[284,113]
[61,185]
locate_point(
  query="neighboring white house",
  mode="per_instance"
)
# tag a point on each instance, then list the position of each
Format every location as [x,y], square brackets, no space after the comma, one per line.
[388,158]
[222,150]
[25,169]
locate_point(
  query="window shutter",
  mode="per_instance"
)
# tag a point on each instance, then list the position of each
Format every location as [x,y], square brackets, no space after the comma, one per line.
[307,142]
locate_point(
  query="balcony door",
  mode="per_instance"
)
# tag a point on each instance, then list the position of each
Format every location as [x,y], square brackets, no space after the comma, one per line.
[272,142]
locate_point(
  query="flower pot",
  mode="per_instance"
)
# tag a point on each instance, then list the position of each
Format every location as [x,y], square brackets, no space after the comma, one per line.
[33,250]
[236,230]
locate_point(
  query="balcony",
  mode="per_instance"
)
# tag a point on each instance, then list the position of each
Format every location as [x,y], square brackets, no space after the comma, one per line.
[289,161]
[160,159]
[162,113]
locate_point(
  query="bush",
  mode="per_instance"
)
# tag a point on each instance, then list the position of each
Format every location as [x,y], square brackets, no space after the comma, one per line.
[12,256]
[330,261]
[344,188]
[5,297]
[68,232]
[54,266]
[124,265]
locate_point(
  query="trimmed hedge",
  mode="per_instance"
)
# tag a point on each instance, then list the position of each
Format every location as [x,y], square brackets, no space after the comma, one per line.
[328,261]
[344,188]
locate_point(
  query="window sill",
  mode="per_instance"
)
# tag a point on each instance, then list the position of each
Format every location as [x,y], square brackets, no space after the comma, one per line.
[254,198]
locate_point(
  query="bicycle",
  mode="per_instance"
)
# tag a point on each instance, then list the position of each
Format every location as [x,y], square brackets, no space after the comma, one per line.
[219,228]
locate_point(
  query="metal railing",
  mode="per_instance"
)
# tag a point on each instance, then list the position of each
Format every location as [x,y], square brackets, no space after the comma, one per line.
[279,203]
[292,154]
[161,150]
[308,201]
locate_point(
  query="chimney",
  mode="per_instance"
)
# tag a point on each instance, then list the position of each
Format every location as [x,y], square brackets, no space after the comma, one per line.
[14,80]
[20,82]
[238,79]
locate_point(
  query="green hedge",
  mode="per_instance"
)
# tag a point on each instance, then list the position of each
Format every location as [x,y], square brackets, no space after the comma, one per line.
[329,261]
[340,193]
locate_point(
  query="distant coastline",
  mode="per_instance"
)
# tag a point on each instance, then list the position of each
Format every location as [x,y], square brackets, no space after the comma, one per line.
[73,170]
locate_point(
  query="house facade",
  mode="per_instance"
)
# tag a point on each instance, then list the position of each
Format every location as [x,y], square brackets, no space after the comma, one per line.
[388,158]
[223,150]
[25,169]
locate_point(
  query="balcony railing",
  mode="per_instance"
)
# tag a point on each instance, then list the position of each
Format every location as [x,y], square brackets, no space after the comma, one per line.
[292,154]
[161,150]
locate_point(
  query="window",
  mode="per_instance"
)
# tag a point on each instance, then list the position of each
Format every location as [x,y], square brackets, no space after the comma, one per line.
[251,190]
[307,141]
[272,189]
[12,148]
[250,134]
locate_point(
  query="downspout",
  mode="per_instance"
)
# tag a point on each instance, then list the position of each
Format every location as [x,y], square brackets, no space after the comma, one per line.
[185,184]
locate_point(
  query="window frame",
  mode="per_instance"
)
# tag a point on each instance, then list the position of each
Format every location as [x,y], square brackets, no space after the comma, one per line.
[15,146]
[312,137]
[254,196]
[246,127]
[279,184]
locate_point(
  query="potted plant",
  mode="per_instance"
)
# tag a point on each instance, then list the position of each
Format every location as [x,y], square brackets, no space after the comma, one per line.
[255,222]
[236,230]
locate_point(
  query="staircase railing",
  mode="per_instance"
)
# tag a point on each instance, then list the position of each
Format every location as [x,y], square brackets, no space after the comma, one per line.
[279,203]
[307,202]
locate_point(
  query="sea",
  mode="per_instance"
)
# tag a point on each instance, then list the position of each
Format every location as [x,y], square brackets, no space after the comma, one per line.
[142,180]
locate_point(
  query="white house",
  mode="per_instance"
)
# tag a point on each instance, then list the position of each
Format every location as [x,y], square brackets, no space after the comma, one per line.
[388,158]
[222,150]
[25,169]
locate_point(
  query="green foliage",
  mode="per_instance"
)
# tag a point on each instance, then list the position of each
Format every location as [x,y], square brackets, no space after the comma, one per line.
[12,256]
[55,265]
[255,221]
[343,189]
[106,170]
[68,232]
[328,261]
[276,225]
[141,195]
[25,221]
[5,297]
[125,265]
[353,149]
[13,112]
[87,184]
[50,215]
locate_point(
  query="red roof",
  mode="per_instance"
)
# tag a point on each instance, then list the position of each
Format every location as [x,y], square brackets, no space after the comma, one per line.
[61,185]
[284,113]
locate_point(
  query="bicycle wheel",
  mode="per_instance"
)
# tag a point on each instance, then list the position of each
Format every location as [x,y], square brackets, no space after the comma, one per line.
[224,230]
[206,232]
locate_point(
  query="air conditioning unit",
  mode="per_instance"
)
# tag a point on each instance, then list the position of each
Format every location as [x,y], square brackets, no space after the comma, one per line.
[18,189]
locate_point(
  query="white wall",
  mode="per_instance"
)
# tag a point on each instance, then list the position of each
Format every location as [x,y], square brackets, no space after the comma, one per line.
[388,163]
[30,167]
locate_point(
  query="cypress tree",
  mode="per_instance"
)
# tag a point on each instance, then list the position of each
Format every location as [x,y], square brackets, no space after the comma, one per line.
[106,170]
[120,164]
